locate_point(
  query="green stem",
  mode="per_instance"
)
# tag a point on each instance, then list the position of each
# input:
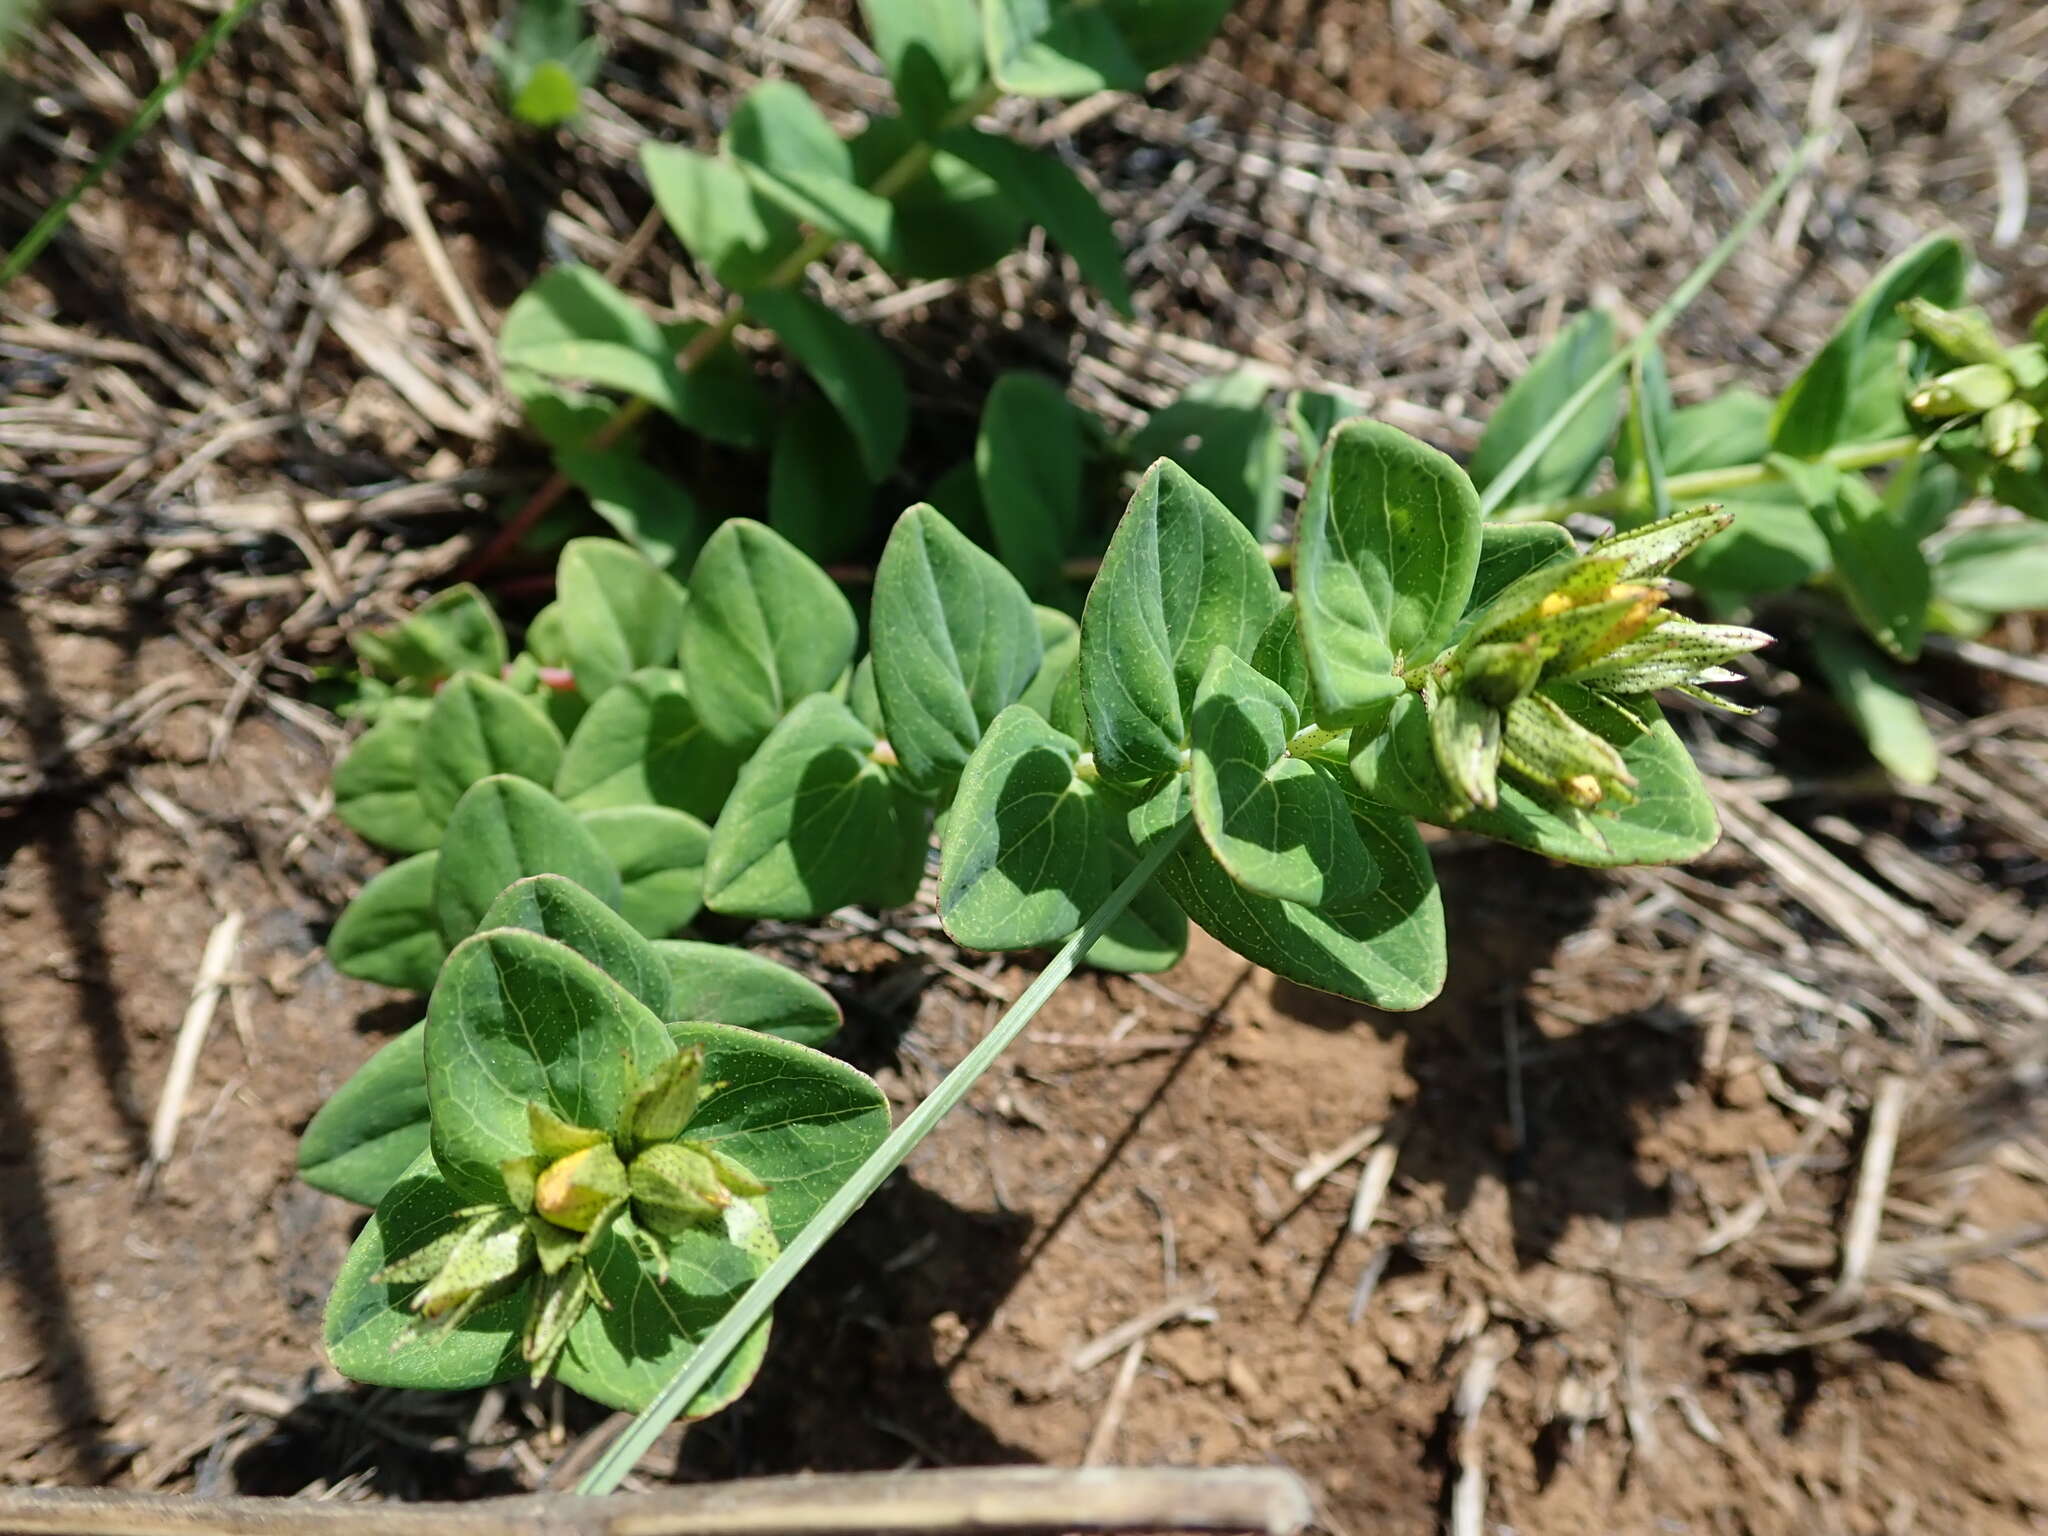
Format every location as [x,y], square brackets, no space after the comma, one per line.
[1502,485]
[45,228]
[1704,484]
[704,1363]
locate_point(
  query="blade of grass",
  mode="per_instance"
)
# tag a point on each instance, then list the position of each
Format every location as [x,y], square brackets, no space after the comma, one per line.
[1502,486]
[54,218]
[620,1457]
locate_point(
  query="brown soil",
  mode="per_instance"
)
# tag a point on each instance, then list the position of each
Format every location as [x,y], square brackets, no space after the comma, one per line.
[1135,1151]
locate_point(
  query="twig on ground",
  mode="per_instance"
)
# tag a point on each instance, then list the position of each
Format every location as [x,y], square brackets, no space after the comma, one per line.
[206,990]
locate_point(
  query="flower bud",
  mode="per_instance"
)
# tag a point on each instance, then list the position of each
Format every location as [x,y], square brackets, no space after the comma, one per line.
[1559,756]
[2010,428]
[662,1105]
[561,1300]
[553,1137]
[1465,734]
[491,1248]
[1963,391]
[2028,364]
[1499,673]
[676,1186]
[580,1190]
[1964,334]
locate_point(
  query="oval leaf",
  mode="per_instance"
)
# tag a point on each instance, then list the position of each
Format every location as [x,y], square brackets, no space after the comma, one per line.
[1027,851]
[376,788]
[1533,400]
[1884,710]
[642,743]
[1181,577]
[389,933]
[660,856]
[374,1128]
[1384,561]
[1029,460]
[617,613]
[854,370]
[765,628]
[815,823]
[721,984]
[1052,196]
[520,1019]
[504,829]
[560,909]
[954,643]
[479,727]
[1277,823]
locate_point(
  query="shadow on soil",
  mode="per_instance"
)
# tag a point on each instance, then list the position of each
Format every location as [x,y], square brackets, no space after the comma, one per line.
[1554,1120]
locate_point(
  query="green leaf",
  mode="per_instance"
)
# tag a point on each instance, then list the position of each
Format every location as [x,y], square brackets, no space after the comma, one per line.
[1878,563]
[1314,415]
[861,697]
[520,1019]
[1389,542]
[954,641]
[765,628]
[1278,824]
[793,159]
[1060,641]
[479,727]
[1222,433]
[1559,371]
[1026,858]
[722,984]
[650,510]
[952,219]
[818,490]
[714,210]
[624,1354]
[389,934]
[504,829]
[617,613]
[815,823]
[1058,48]
[1649,422]
[1181,577]
[1163,32]
[560,909]
[1884,710]
[1507,553]
[932,50]
[376,788]
[1028,462]
[800,1121]
[853,369]
[550,96]
[1047,193]
[453,631]
[1854,389]
[2000,569]
[371,1338]
[660,855]
[374,1128]
[1383,945]
[1774,545]
[572,324]
[642,743]
[1150,935]
[1672,820]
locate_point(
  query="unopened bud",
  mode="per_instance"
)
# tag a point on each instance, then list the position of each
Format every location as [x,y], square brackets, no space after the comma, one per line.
[2010,428]
[1500,673]
[492,1247]
[676,1187]
[1655,547]
[553,1137]
[1962,391]
[1464,732]
[579,1190]
[1964,334]
[2028,364]
[1546,746]
[663,1104]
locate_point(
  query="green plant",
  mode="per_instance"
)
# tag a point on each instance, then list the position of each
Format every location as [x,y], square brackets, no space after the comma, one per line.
[548,63]
[1841,491]
[922,190]
[1199,746]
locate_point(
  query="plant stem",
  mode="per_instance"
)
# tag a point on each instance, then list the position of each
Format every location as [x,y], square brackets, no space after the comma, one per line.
[54,218]
[1502,485]
[1703,484]
[896,176]
[620,1457]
